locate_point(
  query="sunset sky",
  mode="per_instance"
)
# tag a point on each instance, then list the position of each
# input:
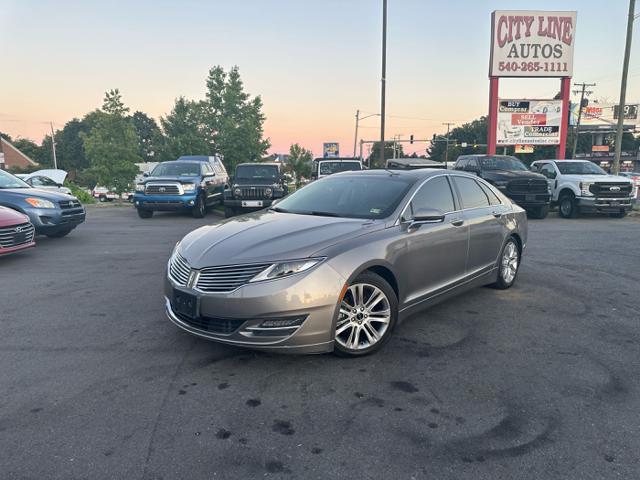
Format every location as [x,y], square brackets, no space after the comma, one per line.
[313,62]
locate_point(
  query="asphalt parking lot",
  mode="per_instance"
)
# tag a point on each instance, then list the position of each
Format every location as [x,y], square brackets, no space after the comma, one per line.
[540,381]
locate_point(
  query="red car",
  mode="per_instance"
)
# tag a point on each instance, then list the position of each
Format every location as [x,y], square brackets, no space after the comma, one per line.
[16,231]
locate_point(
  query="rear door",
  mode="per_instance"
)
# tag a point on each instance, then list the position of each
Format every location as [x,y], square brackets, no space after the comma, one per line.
[485,222]
[436,252]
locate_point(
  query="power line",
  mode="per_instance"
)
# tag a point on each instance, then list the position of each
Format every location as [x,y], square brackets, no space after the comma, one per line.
[583,92]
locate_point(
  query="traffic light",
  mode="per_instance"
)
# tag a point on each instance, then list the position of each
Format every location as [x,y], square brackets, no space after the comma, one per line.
[411,139]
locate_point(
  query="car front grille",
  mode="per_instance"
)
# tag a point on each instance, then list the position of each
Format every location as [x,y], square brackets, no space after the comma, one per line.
[71,208]
[228,277]
[179,270]
[221,326]
[253,192]
[527,186]
[16,235]
[603,190]
[162,189]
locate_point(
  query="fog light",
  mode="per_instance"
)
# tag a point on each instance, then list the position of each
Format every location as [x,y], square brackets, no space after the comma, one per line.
[191,203]
[282,322]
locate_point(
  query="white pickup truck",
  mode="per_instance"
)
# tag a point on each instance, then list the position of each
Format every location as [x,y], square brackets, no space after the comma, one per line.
[582,186]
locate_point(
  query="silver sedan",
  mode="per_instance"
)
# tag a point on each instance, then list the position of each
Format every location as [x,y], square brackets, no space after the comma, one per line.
[338,264]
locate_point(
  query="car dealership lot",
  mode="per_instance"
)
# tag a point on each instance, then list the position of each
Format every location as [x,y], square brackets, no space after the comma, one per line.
[540,381]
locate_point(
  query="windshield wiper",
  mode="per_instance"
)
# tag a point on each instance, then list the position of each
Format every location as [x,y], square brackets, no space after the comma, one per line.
[324,214]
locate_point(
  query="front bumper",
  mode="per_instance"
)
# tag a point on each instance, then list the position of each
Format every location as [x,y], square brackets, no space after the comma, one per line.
[239,203]
[53,220]
[530,200]
[164,202]
[605,205]
[313,295]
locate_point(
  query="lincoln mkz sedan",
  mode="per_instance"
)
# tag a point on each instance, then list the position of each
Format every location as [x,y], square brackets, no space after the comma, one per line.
[339,263]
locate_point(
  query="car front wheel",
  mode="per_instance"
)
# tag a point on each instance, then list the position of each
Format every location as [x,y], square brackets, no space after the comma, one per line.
[368,313]
[567,206]
[142,213]
[199,209]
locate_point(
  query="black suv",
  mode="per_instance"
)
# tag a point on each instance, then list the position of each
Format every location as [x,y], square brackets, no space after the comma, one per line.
[527,189]
[254,186]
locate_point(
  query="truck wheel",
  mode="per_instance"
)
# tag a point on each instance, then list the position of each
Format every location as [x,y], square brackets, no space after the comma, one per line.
[142,213]
[620,214]
[229,212]
[199,209]
[102,199]
[539,212]
[567,206]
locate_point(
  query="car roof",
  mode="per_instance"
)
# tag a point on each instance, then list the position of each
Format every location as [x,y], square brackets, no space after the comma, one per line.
[180,161]
[337,159]
[195,158]
[269,164]
[405,174]
[562,160]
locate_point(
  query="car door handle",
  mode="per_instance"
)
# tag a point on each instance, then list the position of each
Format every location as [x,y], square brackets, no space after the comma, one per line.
[457,222]
[496,214]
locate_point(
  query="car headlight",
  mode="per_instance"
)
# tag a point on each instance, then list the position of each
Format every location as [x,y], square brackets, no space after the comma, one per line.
[39,203]
[188,187]
[584,189]
[140,187]
[284,269]
[237,192]
[268,192]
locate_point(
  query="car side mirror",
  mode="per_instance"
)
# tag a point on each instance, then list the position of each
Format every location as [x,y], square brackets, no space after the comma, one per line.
[427,215]
[145,174]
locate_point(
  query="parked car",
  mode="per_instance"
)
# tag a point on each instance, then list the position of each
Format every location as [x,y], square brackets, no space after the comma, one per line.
[49,179]
[511,176]
[338,263]
[413,163]
[582,186]
[51,213]
[16,232]
[254,186]
[190,186]
[104,194]
[323,167]
[635,178]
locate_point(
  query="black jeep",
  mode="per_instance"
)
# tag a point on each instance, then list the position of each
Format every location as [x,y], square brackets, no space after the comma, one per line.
[254,186]
[527,189]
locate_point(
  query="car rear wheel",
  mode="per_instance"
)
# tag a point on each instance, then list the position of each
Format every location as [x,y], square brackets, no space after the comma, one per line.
[567,206]
[199,209]
[60,234]
[368,313]
[508,265]
[142,213]
[539,212]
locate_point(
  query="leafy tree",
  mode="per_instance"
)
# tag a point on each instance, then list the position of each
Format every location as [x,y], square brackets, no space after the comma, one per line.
[149,135]
[299,162]
[112,145]
[69,145]
[28,147]
[374,156]
[184,132]
[6,136]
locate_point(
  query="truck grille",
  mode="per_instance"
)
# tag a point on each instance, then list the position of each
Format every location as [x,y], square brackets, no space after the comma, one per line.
[71,208]
[604,190]
[179,270]
[162,189]
[253,192]
[16,235]
[227,278]
[221,326]
[527,186]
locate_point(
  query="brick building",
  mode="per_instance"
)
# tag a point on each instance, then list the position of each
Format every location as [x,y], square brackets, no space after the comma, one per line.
[13,157]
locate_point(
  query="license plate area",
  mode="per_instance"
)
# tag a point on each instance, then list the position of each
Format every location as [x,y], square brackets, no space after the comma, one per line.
[530,197]
[252,203]
[614,204]
[185,303]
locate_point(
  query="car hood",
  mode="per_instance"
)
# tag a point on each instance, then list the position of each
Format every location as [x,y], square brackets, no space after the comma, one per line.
[9,217]
[179,179]
[247,182]
[56,175]
[597,178]
[268,236]
[36,192]
[511,175]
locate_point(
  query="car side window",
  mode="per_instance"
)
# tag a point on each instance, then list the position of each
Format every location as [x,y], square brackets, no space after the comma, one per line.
[435,193]
[548,171]
[461,164]
[472,195]
[493,198]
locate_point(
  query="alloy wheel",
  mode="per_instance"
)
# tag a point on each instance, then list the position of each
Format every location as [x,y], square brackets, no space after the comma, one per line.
[509,264]
[365,315]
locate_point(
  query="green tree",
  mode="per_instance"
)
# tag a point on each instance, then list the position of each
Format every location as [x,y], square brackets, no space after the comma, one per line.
[299,163]
[149,135]
[111,145]
[28,147]
[184,131]
[69,146]
[374,156]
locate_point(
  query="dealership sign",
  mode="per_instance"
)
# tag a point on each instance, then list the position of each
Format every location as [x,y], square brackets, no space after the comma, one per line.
[330,150]
[604,116]
[532,43]
[529,122]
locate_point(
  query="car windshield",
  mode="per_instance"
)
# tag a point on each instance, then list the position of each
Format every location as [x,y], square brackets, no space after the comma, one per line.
[350,196]
[327,168]
[502,163]
[579,168]
[9,181]
[176,169]
[257,172]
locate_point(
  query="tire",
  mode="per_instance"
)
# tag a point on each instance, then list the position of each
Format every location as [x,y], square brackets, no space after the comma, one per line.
[59,234]
[199,210]
[142,213]
[620,214]
[539,213]
[102,199]
[356,334]
[567,206]
[229,212]
[508,265]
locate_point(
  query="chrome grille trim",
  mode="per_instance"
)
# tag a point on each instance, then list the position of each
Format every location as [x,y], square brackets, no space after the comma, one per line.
[10,238]
[155,188]
[179,270]
[227,278]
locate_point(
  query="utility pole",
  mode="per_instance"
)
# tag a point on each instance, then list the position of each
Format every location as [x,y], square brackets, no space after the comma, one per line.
[355,140]
[53,147]
[623,87]
[446,152]
[383,79]
[577,127]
